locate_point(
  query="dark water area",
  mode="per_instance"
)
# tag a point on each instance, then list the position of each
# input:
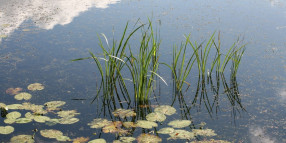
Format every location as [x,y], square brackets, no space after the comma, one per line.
[38,40]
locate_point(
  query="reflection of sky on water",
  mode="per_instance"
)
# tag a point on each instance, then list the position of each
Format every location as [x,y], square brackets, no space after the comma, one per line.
[282,94]
[44,13]
[258,135]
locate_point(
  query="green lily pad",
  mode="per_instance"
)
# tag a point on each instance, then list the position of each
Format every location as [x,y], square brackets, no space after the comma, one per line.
[181,134]
[23,95]
[156,116]
[98,123]
[147,138]
[22,139]
[9,121]
[52,122]
[114,127]
[53,105]
[211,141]
[41,119]
[63,138]
[68,113]
[129,125]
[6,130]
[68,120]
[14,106]
[126,140]
[36,109]
[13,115]
[166,130]
[165,109]
[51,133]
[35,86]
[123,113]
[204,132]
[97,141]
[179,123]
[146,124]
[2,105]
[3,36]
[23,120]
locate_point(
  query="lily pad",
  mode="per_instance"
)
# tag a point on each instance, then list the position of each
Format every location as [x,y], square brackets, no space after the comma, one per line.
[165,109]
[68,113]
[80,140]
[35,86]
[181,134]
[156,116]
[127,139]
[2,105]
[52,122]
[22,139]
[179,123]
[211,141]
[9,121]
[98,123]
[166,130]
[6,130]
[97,141]
[53,105]
[114,127]
[41,119]
[51,133]
[68,120]
[23,120]
[123,113]
[14,106]
[13,115]
[63,138]
[129,125]
[23,95]
[13,91]
[146,124]
[204,132]
[147,138]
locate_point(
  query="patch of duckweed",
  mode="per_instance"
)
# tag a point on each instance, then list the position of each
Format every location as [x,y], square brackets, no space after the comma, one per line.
[166,130]
[181,134]
[35,86]
[22,139]
[6,130]
[123,113]
[13,91]
[13,115]
[146,124]
[148,138]
[23,95]
[156,116]
[179,123]
[165,109]
[97,141]
[98,123]
[204,132]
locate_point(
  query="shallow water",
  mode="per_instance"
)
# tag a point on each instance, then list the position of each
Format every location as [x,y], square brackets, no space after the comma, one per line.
[39,38]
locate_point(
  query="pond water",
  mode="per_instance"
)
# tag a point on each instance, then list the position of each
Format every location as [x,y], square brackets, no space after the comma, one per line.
[38,40]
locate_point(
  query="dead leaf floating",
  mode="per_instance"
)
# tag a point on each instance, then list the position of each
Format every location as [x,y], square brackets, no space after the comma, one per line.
[165,109]
[13,91]
[123,113]
[35,86]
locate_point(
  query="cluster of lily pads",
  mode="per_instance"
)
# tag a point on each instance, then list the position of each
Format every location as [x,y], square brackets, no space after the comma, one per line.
[36,113]
[159,115]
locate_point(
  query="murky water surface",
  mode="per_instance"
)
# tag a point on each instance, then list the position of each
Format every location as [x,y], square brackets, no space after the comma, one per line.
[39,38]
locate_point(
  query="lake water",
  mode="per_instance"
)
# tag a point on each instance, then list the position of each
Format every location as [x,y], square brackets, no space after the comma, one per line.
[38,40]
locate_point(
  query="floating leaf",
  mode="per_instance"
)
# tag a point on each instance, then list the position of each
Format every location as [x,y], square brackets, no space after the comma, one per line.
[22,139]
[179,123]
[3,36]
[6,130]
[166,130]
[53,105]
[147,138]
[146,124]
[36,109]
[204,132]
[156,116]
[98,123]
[68,120]
[211,141]
[35,86]
[127,139]
[114,127]
[63,138]
[80,140]
[181,134]
[25,30]
[41,119]
[68,113]
[97,141]
[22,96]
[23,120]
[2,105]
[129,125]
[123,113]
[52,122]
[51,133]
[9,121]
[13,91]
[14,106]
[13,115]
[165,109]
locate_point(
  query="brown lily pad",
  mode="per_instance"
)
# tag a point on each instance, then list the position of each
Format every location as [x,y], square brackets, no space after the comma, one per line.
[13,91]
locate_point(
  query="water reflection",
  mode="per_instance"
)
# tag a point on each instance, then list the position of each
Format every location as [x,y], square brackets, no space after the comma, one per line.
[44,13]
[258,135]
